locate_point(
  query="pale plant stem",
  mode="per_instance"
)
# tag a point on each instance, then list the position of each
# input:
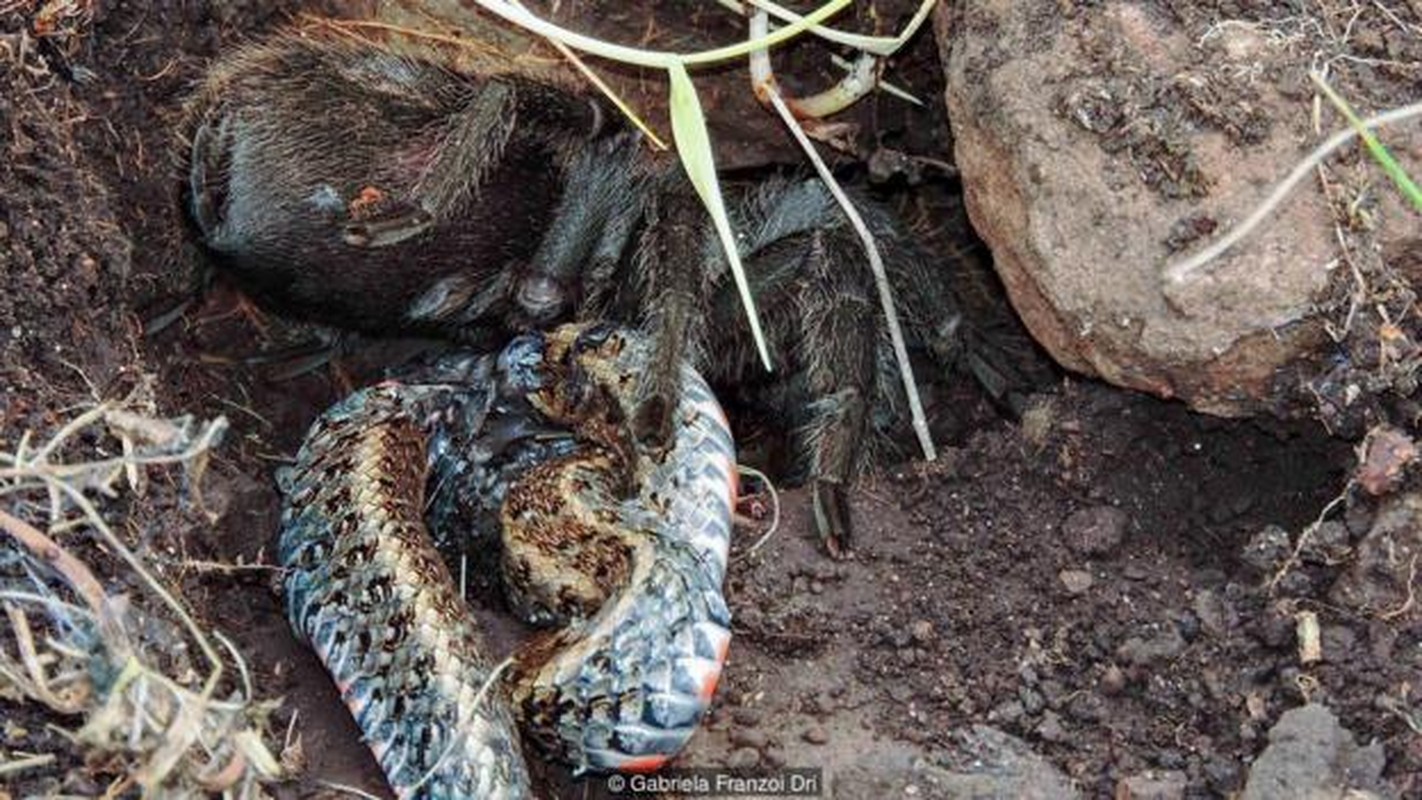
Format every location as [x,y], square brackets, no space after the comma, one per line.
[1184,270]
[774,507]
[764,81]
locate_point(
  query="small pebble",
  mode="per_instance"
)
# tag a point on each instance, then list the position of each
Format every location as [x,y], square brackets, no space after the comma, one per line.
[1076,581]
[1162,646]
[1267,548]
[1051,729]
[748,717]
[1214,613]
[921,631]
[1032,701]
[1007,713]
[1113,681]
[1223,775]
[749,737]
[743,758]
[1096,530]
[820,703]
[815,735]
[1163,785]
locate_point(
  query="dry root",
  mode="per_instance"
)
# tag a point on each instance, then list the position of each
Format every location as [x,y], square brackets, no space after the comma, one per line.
[163,721]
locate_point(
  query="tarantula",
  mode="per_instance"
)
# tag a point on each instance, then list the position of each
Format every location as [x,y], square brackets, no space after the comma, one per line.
[389,194]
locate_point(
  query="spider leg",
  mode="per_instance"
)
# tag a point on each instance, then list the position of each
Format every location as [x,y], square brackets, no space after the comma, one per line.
[677,283]
[839,339]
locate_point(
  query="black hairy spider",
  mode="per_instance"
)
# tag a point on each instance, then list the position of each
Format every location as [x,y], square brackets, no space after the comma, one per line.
[388,194]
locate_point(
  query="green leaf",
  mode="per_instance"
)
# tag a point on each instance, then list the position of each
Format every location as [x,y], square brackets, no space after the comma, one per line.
[693,145]
[1376,148]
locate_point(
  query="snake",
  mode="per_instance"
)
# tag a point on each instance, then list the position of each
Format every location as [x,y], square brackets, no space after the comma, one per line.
[620,544]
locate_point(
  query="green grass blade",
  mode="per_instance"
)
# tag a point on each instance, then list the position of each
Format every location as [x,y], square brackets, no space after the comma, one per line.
[1376,148]
[693,145]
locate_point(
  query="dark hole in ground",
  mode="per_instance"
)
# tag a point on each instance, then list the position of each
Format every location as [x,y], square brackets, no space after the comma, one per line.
[991,587]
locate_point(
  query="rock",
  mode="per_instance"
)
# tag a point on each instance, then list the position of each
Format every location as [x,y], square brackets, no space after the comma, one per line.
[743,758]
[1163,646]
[1075,581]
[815,735]
[1327,543]
[1311,755]
[1266,550]
[820,703]
[1052,729]
[1215,613]
[749,737]
[1032,700]
[921,631]
[1386,456]
[1387,559]
[1087,706]
[1339,644]
[986,762]
[747,717]
[1095,531]
[1222,775]
[1008,713]
[1099,143]
[1113,680]
[1167,785]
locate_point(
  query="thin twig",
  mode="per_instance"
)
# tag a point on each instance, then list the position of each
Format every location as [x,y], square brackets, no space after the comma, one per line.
[774,508]
[1183,270]
[134,563]
[9,767]
[48,551]
[1411,593]
[347,789]
[462,727]
[765,88]
[1304,536]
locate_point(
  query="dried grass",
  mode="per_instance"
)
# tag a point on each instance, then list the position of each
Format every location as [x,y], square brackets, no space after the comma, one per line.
[119,662]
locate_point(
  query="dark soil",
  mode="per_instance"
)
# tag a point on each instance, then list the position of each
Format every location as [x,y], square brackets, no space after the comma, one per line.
[1077,578]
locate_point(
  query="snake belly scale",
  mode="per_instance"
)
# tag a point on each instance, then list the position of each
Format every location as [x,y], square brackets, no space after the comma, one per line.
[622,544]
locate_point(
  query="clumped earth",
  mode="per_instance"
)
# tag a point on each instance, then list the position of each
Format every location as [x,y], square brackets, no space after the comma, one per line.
[1103,596]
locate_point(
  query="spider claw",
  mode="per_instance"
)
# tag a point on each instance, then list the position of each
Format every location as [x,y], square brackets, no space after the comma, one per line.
[831,506]
[653,424]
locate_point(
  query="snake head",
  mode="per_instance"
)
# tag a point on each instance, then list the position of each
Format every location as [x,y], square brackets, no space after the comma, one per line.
[521,367]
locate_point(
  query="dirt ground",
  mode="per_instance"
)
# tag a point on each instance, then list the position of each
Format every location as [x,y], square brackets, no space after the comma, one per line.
[1086,578]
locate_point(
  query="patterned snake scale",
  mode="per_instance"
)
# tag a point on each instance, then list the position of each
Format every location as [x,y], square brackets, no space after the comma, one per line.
[625,545]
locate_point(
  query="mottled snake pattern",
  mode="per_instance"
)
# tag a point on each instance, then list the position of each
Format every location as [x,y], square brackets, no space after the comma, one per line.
[623,544]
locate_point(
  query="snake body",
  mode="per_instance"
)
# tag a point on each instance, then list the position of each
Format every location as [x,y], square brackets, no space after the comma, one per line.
[623,544]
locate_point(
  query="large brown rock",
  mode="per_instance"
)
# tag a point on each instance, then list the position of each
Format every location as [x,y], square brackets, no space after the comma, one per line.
[1100,142]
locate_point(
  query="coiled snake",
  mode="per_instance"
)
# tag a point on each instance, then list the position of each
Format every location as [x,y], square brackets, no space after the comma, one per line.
[625,544]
